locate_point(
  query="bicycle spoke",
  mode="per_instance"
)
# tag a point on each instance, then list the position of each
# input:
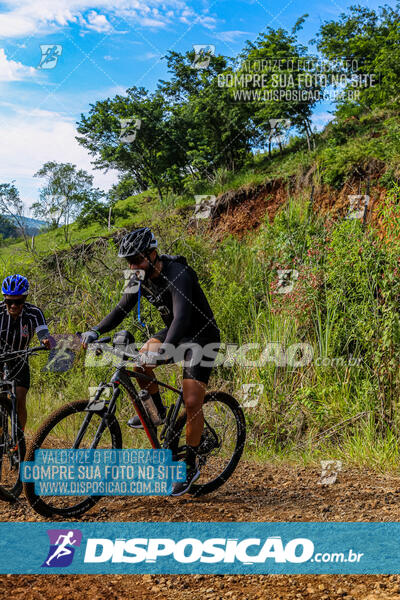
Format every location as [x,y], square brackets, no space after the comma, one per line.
[221,443]
[223,424]
[11,455]
[63,436]
[70,427]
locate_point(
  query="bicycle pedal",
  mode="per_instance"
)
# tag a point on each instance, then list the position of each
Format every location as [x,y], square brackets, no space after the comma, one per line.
[14,460]
[135,423]
[208,443]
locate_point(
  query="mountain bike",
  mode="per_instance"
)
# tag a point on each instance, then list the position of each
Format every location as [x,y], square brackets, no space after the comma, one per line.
[90,424]
[12,440]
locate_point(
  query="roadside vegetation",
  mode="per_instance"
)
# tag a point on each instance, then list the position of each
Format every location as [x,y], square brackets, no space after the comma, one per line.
[328,381]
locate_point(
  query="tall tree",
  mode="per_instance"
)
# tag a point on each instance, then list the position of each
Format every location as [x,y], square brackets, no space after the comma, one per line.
[371,41]
[12,206]
[147,150]
[67,188]
[7,229]
[279,85]
[216,132]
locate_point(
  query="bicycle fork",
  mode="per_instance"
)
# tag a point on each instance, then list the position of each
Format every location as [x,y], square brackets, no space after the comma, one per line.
[97,405]
[14,420]
[7,444]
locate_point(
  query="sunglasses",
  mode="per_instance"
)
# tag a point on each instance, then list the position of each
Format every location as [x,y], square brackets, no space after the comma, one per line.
[134,260]
[18,302]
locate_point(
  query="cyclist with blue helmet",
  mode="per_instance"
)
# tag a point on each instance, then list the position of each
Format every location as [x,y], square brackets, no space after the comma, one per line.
[19,321]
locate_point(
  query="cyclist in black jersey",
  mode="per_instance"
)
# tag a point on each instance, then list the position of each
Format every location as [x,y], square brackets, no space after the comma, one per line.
[172,286]
[19,321]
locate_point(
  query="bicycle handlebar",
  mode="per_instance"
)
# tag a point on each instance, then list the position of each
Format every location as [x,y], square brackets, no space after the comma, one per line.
[15,353]
[99,341]
[140,358]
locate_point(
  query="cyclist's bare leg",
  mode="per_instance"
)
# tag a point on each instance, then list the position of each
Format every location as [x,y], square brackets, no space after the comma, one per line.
[21,393]
[193,397]
[150,346]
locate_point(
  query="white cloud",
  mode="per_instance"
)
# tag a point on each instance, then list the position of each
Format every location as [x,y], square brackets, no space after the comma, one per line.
[231,36]
[21,18]
[35,137]
[98,22]
[189,17]
[321,119]
[148,56]
[149,22]
[11,70]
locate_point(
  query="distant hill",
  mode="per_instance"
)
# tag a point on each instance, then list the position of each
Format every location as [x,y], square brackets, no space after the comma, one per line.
[32,226]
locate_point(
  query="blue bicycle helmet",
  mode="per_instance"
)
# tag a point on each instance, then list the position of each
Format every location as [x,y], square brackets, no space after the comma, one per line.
[15,285]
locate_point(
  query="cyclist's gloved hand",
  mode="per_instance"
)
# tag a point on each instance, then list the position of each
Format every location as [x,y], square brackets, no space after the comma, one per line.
[149,358]
[52,341]
[88,337]
[165,353]
[153,358]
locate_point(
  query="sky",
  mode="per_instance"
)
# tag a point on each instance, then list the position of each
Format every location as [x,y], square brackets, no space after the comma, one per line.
[105,47]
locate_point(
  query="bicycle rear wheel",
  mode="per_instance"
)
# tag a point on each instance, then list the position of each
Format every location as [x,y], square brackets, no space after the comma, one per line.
[12,453]
[60,431]
[222,441]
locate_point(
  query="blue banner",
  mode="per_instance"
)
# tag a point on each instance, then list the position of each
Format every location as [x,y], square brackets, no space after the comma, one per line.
[210,548]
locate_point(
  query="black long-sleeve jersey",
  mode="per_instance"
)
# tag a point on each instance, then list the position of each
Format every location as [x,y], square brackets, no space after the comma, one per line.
[177,294]
[15,334]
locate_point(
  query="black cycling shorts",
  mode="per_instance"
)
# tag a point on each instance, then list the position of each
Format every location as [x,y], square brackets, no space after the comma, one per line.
[18,371]
[200,369]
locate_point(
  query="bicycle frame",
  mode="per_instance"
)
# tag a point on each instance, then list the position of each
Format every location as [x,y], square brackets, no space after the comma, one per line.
[122,376]
[5,383]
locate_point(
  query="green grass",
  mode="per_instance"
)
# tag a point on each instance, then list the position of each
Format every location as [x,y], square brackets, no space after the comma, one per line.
[305,414]
[138,211]
[344,304]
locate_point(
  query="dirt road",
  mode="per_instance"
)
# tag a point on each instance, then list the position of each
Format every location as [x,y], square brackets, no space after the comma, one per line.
[271,493]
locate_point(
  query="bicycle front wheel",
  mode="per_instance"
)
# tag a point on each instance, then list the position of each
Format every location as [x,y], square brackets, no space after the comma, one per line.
[222,441]
[12,453]
[60,431]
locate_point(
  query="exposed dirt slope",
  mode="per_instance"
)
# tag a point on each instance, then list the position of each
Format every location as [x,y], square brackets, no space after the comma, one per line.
[243,210]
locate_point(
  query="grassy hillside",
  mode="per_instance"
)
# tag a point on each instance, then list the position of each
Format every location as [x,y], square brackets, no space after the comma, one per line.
[330,345]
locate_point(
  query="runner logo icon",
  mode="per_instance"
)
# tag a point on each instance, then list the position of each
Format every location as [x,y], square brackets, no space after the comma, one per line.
[62,547]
